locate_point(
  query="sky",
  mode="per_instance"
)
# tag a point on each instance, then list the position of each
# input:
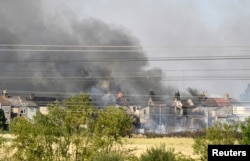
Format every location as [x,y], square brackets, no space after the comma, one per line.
[166,27]
[169,29]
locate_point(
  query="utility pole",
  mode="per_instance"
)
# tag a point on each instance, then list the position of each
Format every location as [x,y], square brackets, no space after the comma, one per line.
[160,119]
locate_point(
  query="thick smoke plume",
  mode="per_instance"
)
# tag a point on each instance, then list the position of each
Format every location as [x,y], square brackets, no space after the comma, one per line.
[74,67]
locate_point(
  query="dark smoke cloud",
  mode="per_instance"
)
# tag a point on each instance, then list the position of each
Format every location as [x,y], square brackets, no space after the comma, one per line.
[193,92]
[24,22]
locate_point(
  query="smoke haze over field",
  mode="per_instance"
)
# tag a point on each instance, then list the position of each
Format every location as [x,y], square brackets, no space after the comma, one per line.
[71,68]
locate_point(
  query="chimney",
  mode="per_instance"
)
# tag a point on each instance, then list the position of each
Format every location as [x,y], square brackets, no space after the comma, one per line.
[5,93]
[151,98]
[152,95]
[120,99]
[190,102]
[32,95]
[226,96]
[177,95]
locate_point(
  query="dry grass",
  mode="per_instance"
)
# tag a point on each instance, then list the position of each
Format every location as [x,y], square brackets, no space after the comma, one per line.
[183,145]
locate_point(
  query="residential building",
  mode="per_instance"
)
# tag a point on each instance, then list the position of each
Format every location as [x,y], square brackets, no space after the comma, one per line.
[5,105]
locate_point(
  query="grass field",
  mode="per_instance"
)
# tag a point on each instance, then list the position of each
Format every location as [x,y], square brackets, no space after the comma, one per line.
[183,145]
[179,144]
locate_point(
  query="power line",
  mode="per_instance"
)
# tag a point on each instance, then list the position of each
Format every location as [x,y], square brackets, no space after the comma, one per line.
[91,94]
[82,51]
[137,46]
[69,50]
[71,46]
[89,60]
[124,71]
[247,77]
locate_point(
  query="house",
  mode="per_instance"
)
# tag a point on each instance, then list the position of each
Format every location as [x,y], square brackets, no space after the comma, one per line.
[220,109]
[31,108]
[17,108]
[200,112]
[23,107]
[153,117]
[242,112]
[225,101]
[154,100]
[5,105]
[42,102]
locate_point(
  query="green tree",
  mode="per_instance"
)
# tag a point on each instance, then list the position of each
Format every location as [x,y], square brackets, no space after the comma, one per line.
[245,129]
[60,135]
[112,124]
[218,134]
[24,141]
[2,119]
[79,122]
[69,132]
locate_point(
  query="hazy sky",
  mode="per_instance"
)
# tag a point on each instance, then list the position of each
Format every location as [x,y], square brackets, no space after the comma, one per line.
[180,23]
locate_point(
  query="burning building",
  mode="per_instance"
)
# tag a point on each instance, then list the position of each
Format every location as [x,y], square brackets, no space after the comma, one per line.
[185,114]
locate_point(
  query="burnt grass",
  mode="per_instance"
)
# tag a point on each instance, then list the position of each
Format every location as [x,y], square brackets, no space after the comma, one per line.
[183,134]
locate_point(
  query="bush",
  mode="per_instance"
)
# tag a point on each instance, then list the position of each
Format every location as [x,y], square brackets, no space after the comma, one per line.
[245,128]
[161,154]
[180,157]
[218,134]
[158,154]
[111,156]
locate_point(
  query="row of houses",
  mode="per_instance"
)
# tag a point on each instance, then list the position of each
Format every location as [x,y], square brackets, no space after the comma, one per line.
[27,107]
[188,113]
[161,116]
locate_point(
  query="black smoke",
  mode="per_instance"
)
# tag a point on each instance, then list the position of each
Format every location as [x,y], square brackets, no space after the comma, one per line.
[86,59]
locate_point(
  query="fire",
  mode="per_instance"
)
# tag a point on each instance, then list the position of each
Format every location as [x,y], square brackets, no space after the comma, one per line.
[119,94]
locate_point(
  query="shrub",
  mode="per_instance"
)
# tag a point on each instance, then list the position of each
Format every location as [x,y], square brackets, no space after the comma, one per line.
[245,129]
[218,134]
[181,157]
[111,156]
[158,154]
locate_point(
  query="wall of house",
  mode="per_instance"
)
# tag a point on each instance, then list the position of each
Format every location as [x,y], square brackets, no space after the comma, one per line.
[242,112]
[43,110]
[31,112]
[144,114]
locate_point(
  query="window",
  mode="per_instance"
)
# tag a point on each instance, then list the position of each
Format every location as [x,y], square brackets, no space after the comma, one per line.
[23,111]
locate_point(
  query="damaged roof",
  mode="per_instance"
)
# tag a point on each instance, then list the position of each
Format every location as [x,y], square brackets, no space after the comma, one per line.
[19,102]
[4,101]
[216,102]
